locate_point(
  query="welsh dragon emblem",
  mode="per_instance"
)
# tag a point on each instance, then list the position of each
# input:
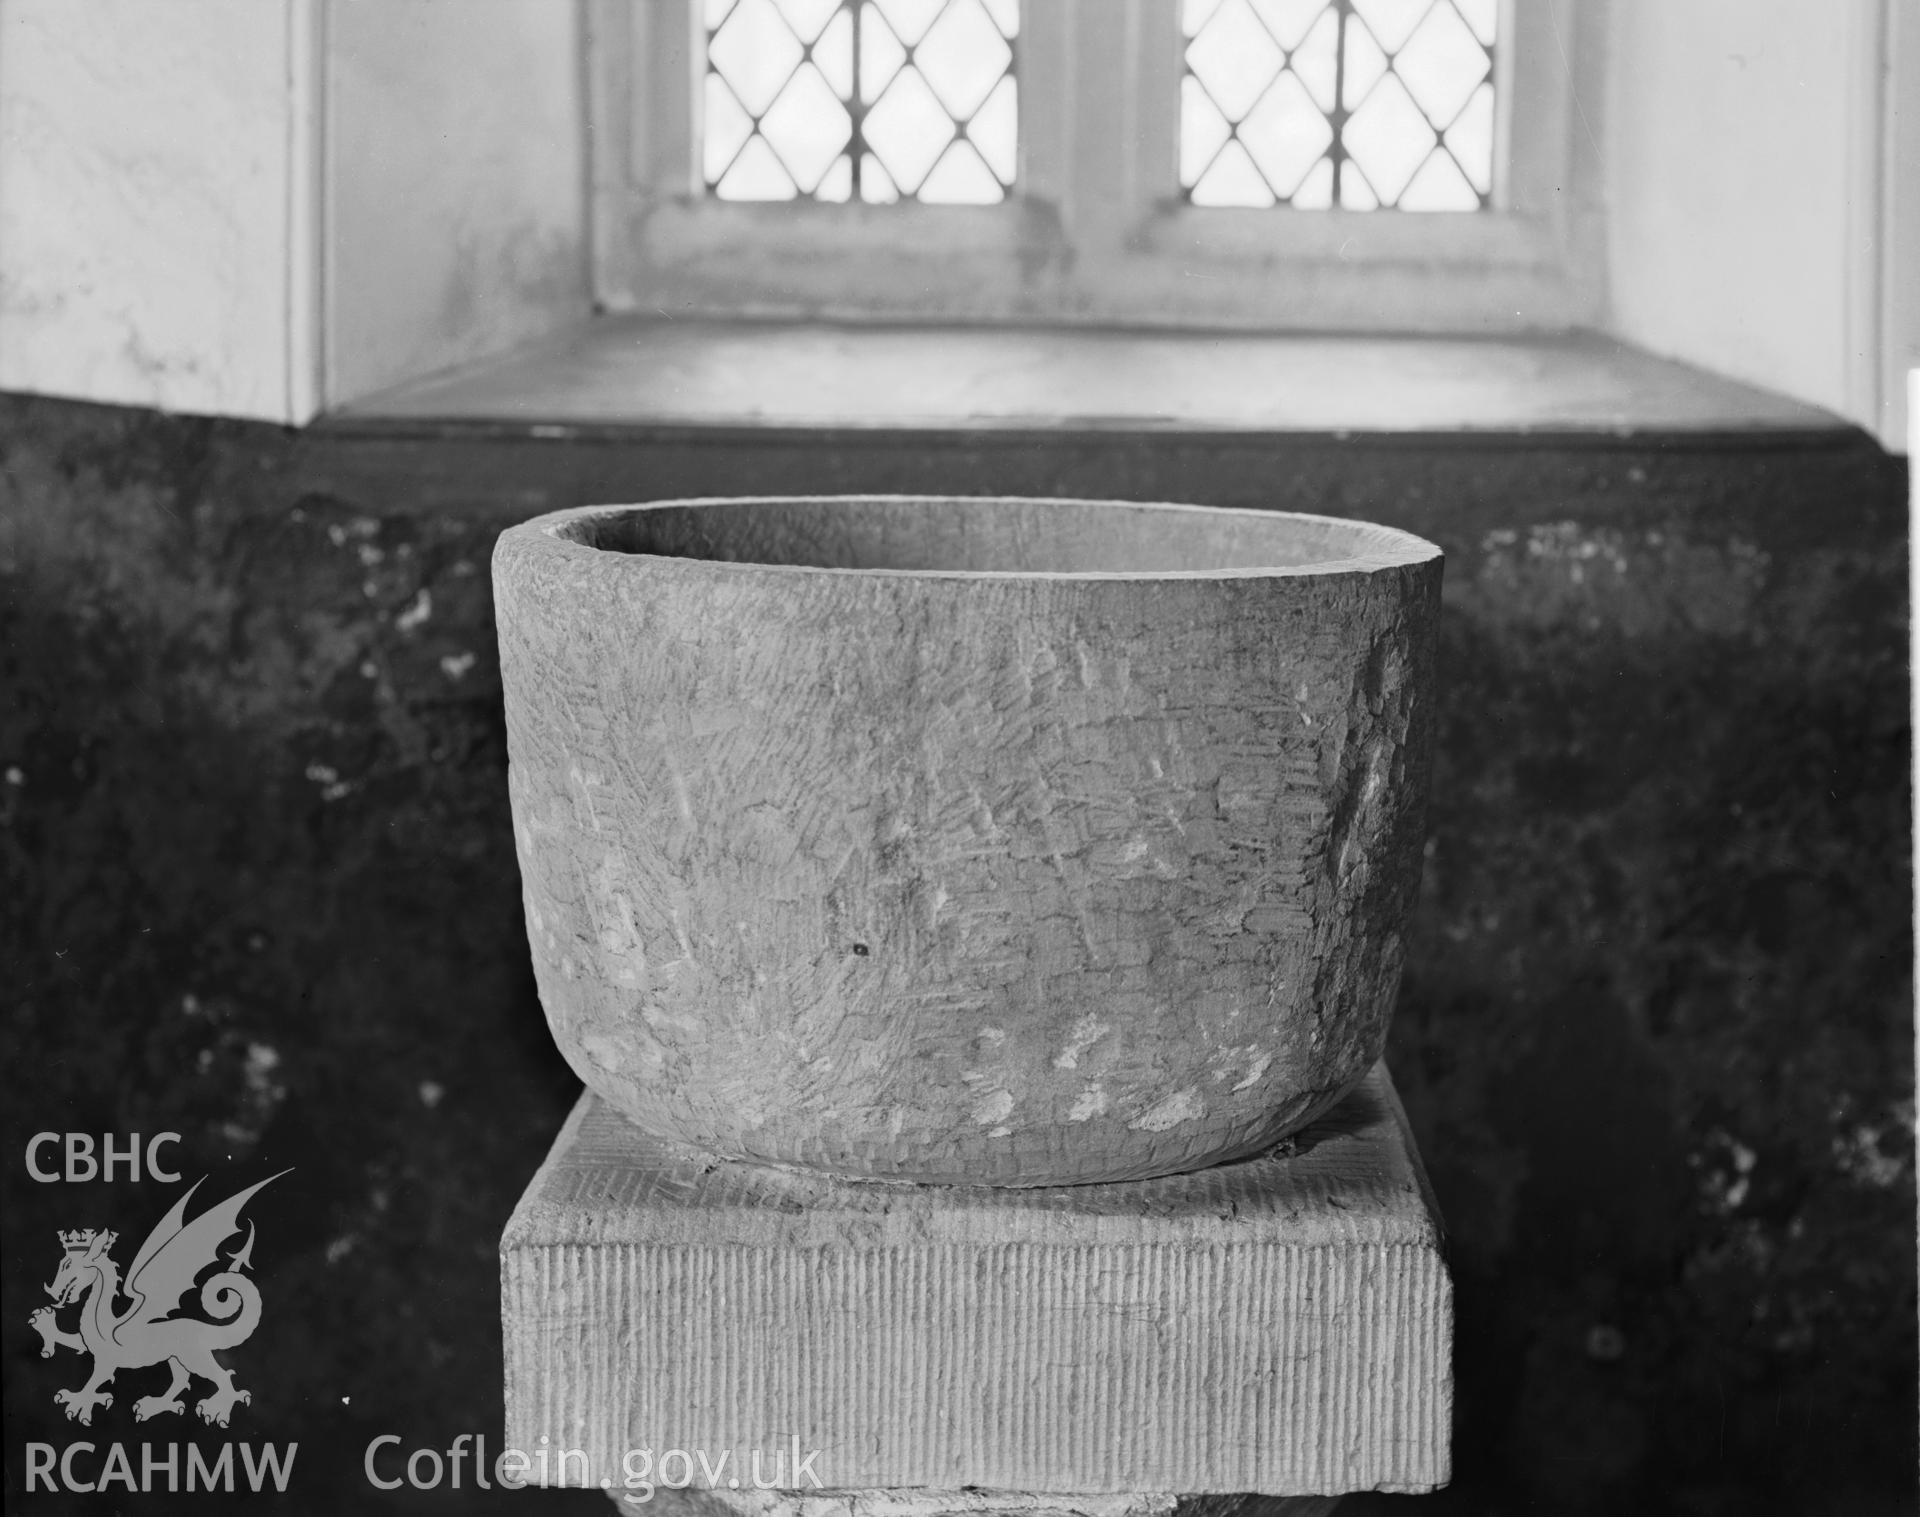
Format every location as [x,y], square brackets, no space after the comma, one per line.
[175,1255]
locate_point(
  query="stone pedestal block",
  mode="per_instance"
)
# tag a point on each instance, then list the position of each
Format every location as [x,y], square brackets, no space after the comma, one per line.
[1281,1325]
[924,1503]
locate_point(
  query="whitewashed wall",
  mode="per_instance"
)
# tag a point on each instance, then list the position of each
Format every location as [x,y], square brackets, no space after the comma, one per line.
[151,202]
[1900,244]
[1750,210]
[174,232]
[456,183]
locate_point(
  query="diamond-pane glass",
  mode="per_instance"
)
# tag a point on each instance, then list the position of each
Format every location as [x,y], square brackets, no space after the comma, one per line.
[1353,105]
[861,100]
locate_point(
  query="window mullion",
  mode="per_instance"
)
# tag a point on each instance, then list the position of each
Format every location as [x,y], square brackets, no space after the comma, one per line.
[1154,75]
[1048,89]
[1123,65]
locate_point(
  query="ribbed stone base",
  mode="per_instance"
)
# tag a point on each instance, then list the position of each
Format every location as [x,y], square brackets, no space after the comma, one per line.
[1281,1325]
[922,1503]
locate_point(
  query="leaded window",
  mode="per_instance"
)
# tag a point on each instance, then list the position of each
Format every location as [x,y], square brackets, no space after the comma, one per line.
[861,100]
[1357,105]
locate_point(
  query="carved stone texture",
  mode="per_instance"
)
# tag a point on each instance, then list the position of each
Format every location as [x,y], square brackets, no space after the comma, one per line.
[993,841]
[694,1502]
[1282,1325]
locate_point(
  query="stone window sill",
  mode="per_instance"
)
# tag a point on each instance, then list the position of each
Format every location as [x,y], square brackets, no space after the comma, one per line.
[626,374]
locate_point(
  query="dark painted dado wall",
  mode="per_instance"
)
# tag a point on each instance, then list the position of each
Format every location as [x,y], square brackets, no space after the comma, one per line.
[1656,1035]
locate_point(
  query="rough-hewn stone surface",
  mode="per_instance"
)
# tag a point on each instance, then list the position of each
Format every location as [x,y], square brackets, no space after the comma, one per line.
[968,841]
[1654,1035]
[1279,1325]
